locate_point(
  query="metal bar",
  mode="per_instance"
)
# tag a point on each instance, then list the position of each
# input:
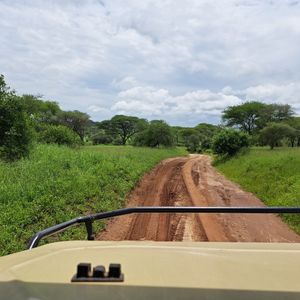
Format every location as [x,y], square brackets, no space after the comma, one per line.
[155,209]
[49,231]
[89,229]
[193,209]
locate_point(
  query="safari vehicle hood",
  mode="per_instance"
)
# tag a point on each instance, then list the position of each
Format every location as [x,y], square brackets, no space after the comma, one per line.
[155,270]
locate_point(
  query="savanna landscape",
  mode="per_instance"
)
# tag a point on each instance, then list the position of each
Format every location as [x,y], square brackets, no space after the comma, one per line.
[56,165]
[149,149]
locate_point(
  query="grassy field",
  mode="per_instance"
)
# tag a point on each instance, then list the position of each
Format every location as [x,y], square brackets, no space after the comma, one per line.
[58,183]
[272,175]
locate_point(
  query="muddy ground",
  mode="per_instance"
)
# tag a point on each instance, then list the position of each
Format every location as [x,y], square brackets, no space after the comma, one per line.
[192,181]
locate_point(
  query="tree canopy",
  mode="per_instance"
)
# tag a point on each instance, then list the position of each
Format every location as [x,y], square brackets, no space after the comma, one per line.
[244,116]
[253,116]
[273,133]
[158,133]
[123,127]
[39,110]
[75,120]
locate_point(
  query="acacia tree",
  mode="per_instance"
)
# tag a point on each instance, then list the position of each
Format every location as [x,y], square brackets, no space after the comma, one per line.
[123,127]
[281,112]
[252,116]
[244,116]
[75,120]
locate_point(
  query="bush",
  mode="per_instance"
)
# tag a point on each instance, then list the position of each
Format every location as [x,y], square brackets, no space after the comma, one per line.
[229,141]
[117,141]
[58,134]
[206,144]
[101,138]
[15,133]
[193,143]
[274,133]
[157,134]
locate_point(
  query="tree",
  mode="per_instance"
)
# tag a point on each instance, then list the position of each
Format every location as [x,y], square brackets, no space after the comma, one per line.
[15,134]
[40,111]
[229,142]
[75,120]
[123,127]
[244,116]
[206,133]
[176,132]
[194,143]
[191,138]
[253,116]
[273,134]
[207,130]
[186,133]
[281,112]
[294,138]
[4,88]
[157,134]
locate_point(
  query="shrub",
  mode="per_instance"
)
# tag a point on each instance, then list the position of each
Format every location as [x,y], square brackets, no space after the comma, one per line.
[206,144]
[274,133]
[15,133]
[193,143]
[101,138]
[58,134]
[229,141]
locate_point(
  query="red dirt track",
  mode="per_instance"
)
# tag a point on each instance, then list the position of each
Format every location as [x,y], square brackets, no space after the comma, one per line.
[192,181]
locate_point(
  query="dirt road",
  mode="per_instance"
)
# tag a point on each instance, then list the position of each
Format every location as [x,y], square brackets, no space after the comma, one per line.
[192,181]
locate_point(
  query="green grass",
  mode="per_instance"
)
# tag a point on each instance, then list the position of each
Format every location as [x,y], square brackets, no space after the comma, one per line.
[272,175]
[58,183]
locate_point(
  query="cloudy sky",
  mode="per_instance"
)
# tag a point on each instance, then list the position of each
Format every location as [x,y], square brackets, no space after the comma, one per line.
[182,61]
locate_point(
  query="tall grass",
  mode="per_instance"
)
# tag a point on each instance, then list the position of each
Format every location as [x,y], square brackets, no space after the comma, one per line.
[58,183]
[272,175]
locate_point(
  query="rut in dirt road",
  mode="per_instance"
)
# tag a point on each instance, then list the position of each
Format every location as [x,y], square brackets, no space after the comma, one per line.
[171,191]
[192,181]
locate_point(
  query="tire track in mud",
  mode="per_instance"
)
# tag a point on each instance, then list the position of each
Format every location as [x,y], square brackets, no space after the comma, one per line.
[171,191]
[192,181]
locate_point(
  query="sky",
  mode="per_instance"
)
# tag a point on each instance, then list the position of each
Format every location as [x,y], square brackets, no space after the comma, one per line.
[181,61]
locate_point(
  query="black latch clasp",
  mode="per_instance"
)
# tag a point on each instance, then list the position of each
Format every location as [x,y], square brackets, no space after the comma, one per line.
[84,273]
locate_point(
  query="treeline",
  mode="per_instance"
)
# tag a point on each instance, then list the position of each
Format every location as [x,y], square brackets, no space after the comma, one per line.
[25,119]
[251,123]
[266,124]
[121,130]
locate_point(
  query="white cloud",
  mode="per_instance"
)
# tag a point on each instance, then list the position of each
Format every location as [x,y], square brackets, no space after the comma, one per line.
[125,83]
[148,102]
[286,94]
[192,107]
[184,61]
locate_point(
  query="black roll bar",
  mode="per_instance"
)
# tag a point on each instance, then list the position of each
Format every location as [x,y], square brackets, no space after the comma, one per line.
[88,220]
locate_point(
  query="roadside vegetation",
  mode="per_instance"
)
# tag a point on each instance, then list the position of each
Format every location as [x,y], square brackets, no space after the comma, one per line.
[272,175]
[57,183]
[29,119]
